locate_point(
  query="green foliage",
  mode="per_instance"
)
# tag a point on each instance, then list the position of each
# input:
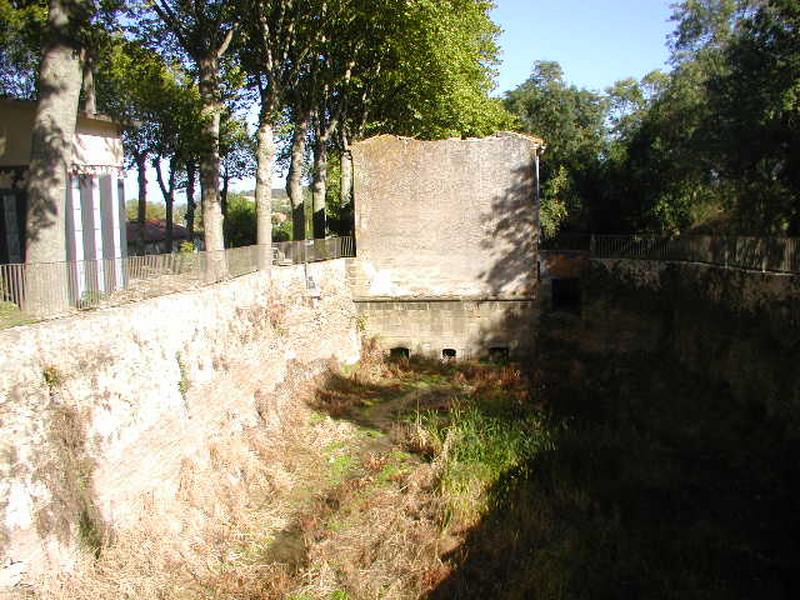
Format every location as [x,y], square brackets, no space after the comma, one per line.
[53,378]
[753,141]
[485,441]
[240,221]
[438,72]
[282,232]
[158,101]
[554,210]
[183,382]
[153,211]
[736,70]
[340,217]
[711,144]
[237,149]
[11,315]
[21,29]
[572,123]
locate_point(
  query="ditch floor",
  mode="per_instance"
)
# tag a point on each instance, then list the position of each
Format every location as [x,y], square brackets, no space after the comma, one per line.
[592,472]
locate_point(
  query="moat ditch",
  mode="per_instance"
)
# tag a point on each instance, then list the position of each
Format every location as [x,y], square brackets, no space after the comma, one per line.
[603,467]
[596,470]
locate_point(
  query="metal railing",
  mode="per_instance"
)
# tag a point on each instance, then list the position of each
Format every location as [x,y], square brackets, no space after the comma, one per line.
[765,254]
[28,292]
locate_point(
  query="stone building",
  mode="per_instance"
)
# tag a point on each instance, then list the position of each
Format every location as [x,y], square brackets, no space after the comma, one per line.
[95,206]
[447,235]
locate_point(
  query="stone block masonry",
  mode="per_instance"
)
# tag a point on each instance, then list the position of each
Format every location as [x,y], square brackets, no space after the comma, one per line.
[736,327]
[448,218]
[101,412]
[447,236]
[472,329]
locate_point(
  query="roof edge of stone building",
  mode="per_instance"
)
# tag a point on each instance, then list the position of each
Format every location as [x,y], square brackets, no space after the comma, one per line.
[81,114]
[537,141]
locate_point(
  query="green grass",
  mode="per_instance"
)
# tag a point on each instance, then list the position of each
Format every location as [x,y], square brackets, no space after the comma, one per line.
[11,315]
[480,445]
[649,481]
[341,467]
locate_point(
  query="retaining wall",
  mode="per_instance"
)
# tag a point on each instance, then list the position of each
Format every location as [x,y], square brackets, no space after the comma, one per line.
[739,328]
[473,328]
[100,412]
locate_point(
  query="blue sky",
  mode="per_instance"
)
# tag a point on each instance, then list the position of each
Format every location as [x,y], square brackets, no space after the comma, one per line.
[596,42]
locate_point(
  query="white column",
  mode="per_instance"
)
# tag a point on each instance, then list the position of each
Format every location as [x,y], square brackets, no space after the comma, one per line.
[120,282]
[98,232]
[77,219]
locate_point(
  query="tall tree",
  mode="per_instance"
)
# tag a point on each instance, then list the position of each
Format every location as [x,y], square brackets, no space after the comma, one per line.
[158,106]
[422,69]
[756,143]
[59,84]
[22,27]
[275,45]
[572,122]
[237,153]
[204,30]
[294,177]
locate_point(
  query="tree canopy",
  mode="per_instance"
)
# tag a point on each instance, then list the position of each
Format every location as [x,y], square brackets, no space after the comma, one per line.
[712,145]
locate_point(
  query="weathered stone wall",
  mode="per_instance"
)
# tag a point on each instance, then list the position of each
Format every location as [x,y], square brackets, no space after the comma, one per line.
[449,218]
[99,413]
[471,327]
[736,327]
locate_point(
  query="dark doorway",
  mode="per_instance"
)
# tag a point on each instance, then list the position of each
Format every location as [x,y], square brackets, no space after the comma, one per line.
[567,294]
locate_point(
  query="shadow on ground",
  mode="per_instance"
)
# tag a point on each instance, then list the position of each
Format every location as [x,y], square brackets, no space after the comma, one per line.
[658,485]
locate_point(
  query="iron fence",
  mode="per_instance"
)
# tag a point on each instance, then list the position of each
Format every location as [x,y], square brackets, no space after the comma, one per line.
[766,254]
[53,289]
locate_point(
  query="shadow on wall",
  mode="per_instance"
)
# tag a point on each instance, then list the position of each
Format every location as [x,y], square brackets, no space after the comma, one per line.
[512,239]
[48,177]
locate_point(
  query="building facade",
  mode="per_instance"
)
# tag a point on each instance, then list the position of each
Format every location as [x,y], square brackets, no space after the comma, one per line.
[95,236]
[448,235]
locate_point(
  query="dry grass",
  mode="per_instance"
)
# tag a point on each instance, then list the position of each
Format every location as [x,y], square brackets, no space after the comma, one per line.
[346,501]
[212,543]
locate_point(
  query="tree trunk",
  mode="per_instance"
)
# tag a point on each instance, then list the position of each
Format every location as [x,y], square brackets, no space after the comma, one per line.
[168,192]
[89,92]
[223,197]
[51,155]
[209,169]
[141,168]
[320,186]
[190,205]
[346,188]
[265,156]
[294,178]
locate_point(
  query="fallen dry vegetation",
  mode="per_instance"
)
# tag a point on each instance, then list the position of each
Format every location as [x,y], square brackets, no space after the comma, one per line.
[373,480]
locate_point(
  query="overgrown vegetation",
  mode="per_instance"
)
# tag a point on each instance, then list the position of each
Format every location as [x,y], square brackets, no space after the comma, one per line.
[67,470]
[597,474]
[658,483]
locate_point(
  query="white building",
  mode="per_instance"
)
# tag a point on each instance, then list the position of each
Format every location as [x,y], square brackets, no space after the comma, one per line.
[95,206]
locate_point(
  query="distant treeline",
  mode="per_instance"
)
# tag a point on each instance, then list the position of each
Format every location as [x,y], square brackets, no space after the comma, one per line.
[713,145]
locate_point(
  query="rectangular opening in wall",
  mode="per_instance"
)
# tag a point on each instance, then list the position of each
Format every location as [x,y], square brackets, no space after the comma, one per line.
[566,294]
[399,353]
